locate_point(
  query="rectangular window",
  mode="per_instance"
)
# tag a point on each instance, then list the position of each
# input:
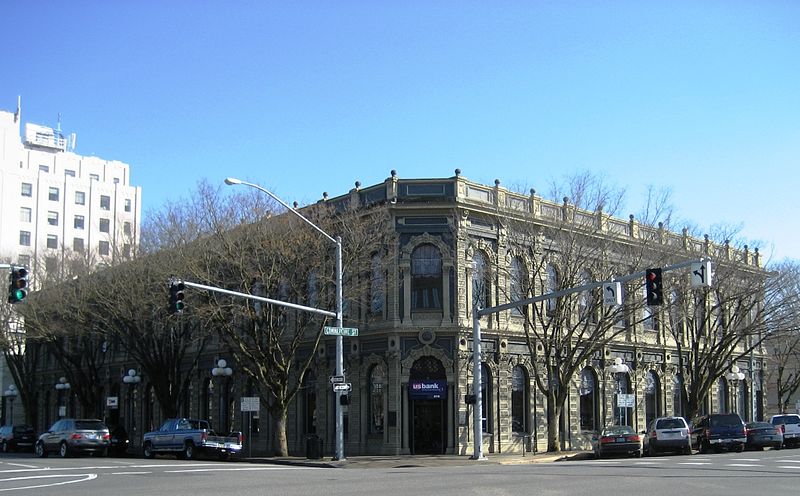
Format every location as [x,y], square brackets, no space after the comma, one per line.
[53,194]
[126,228]
[103,248]
[25,214]
[52,241]
[77,244]
[127,205]
[25,238]
[27,189]
[80,198]
[104,225]
[52,218]
[94,177]
[44,168]
[105,202]
[24,260]
[78,224]
[69,173]
[126,250]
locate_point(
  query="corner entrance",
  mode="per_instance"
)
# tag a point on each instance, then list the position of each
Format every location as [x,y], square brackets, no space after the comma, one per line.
[427,395]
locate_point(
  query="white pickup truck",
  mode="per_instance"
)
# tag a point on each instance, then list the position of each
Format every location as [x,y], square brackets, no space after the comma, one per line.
[789,424]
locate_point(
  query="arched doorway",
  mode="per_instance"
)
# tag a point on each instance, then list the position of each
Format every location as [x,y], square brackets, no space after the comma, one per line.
[427,392]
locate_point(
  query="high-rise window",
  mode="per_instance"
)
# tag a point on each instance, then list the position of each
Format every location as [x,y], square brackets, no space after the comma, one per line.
[78,223]
[52,241]
[25,214]
[25,238]
[44,168]
[104,225]
[127,205]
[80,198]
[94,177]
[126,228]
[52,194]
[24,260]
[105,202]
[27,189]
[69,173]
[77,244]
[103,248]
[52,218]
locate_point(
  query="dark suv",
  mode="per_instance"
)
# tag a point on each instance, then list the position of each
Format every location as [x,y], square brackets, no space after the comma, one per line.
[17,437]
[719,430]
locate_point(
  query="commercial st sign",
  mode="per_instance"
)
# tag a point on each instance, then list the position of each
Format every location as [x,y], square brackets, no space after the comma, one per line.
[340,331]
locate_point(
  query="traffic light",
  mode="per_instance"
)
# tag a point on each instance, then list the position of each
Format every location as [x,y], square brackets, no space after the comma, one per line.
[654,287]
[176,296]
[18,284]
[344,399]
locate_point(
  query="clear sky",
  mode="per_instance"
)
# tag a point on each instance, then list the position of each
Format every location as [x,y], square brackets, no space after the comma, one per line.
[303,97]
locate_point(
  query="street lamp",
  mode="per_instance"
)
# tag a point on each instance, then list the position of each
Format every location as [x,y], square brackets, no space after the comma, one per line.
[617,368]
[734,376]
[11,393]
[339,455]
[132,379]
[221,369]
[62,386]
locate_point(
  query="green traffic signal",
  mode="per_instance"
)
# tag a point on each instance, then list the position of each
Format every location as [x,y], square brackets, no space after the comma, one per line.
[18,282]
[176,296]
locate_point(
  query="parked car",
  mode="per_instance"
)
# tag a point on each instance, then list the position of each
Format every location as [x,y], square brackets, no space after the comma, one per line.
[790,428]
[668,434]
[73,436]
[17,437]
[618,440]
[189,437]
[719,430]
[119,441]
[761,434]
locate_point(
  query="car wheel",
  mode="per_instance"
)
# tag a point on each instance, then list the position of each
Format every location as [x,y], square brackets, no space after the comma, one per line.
[777,446]
[651,450]
[40,450]
[224,456]
[188,450]
[703,447]
[63,450]
[147,450]
[740,448]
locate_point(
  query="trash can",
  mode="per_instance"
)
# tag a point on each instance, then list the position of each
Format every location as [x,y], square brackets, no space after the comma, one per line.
[313,447]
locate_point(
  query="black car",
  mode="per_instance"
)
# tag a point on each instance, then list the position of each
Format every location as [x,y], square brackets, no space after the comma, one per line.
[719,431]
[618,440]
[17,437]
[761,434]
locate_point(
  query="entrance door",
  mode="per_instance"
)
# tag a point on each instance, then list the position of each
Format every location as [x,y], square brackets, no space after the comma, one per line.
[428,427]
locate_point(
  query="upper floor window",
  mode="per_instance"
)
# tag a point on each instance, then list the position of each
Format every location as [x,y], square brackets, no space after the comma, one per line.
[52,218]
[52,194]
[480,281]
[52,241]
[127,205]
[25,238]
[551,284]
[25,214]
[104,225]
[103,248]
[376,285]
[24,260]
[94,177]
[426,277]
[27,189]
[586,309]
[518,277]
[44,168]
[78,223]
[126,228]
[105,202]
[69,173]
[77,245]
[80,198]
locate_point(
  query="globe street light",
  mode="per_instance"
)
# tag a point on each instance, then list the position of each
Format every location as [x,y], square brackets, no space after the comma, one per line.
[221,369]
[11,393]
[618,368]
[132,378]
[339,455]
[734,376]
[62,386]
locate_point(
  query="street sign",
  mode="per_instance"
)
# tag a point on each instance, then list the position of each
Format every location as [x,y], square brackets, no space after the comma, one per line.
[250,404]
[626,400]
[343,387]
[340,331]
[701,274]
[336,379]
[612,293]
[112,401]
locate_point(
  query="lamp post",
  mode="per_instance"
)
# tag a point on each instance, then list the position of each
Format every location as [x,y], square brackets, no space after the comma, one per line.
[734,376]
[132,378]
[62,386]
[11,393]
[222,370]
[617,368]
[339,454]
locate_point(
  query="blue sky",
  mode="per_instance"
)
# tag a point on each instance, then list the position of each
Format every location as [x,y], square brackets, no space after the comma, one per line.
[702,98]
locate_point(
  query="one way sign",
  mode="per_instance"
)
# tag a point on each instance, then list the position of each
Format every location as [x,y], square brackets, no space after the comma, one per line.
[612,293]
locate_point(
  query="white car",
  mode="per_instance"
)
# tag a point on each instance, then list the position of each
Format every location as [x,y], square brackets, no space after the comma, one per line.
[668,434]
[789,424]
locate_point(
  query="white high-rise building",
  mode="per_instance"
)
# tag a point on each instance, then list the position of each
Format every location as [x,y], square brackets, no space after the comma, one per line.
[62,213]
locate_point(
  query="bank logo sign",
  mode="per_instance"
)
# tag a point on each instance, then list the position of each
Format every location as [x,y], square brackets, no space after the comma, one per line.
[427,390]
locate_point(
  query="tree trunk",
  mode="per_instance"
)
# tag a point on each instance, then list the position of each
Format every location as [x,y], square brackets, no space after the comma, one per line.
[553,425]
[280,445]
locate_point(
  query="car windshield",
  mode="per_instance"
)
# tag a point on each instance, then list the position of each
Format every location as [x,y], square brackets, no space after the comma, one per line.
[618,430]
[89,425]
[673,423]
[760,425]
[727,420]
[787,419]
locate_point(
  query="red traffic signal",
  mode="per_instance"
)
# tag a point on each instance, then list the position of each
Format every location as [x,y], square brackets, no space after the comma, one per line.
[654,287]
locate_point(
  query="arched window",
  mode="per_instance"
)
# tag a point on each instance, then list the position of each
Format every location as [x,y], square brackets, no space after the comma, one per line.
[310,402]
[426,278]
[518,288]
[722,395]
[623,414]
[586,309]
[376,297]
[742,400]
[377,377]
[652,395]
[480,281]
[551,284]
[679,399]
[588,391]
[519,399]
[486,399]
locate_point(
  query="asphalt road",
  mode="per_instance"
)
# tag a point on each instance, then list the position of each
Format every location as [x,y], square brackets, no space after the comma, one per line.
[749,473]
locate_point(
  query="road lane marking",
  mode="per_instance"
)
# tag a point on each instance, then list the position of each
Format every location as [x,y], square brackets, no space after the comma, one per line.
[694,463]
[85,477]
[130,473]
[744,465]
[23,465]
[276,467]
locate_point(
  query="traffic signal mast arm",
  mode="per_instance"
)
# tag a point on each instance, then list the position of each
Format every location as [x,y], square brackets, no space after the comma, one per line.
[585,287]
[260,298]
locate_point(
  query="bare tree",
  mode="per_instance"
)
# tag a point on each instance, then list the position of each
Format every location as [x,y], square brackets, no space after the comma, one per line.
[783,348]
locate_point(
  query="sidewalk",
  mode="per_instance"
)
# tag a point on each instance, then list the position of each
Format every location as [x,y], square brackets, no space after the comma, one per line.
[412,461]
